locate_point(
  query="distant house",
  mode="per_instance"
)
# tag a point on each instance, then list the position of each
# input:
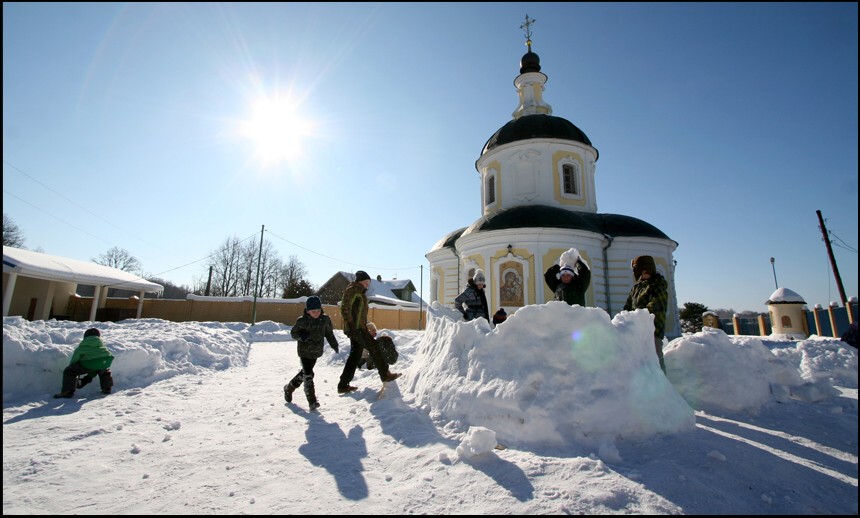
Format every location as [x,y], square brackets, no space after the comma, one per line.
[395,292]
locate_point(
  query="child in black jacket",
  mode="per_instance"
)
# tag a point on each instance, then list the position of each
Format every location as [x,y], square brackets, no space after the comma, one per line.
[310,330]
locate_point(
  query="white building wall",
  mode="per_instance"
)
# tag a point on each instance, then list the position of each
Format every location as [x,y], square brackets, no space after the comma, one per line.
[527,173]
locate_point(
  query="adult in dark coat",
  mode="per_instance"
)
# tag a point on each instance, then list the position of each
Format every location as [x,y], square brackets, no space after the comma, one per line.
[472,302]
[353,309]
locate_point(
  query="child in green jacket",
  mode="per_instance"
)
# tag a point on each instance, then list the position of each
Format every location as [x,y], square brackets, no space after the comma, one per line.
[90,358]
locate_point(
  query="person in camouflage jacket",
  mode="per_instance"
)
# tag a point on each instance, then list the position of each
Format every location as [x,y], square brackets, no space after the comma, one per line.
[310,330]
[650,292]
[353,309]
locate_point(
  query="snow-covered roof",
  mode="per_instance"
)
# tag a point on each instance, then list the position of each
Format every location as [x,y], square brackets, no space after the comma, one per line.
[397,284]
[380,291]
[785,296]
[63,269]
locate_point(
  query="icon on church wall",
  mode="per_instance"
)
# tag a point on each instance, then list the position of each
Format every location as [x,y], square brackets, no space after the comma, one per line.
[511,291]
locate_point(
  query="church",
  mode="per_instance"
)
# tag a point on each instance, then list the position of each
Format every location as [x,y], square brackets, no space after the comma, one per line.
[538,200]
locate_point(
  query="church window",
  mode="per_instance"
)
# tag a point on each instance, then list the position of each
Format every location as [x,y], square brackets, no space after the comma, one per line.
[490,195]
[786,321]
[568,172]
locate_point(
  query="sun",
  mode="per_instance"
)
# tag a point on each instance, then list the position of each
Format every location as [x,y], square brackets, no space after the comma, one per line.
[277,130]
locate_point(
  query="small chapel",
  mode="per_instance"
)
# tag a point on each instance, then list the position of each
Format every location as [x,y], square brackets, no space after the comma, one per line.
[538,200]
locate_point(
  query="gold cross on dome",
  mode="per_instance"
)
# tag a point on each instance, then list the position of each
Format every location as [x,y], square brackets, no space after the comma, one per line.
[527,28]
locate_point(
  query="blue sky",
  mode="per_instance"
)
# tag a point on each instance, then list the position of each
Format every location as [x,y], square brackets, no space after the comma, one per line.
[725,125]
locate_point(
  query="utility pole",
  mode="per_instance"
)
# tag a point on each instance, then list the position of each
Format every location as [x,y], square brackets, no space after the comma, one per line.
[775,284]
[832,260]
[257,281]
[209,282]
[421,299]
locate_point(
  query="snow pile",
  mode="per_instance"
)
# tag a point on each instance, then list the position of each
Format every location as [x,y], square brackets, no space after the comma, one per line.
[552,373]
[146,350]
[478,440]
[715,372]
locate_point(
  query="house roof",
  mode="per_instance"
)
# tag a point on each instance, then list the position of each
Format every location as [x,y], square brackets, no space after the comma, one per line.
[380,291]
[398,284]
[63,269]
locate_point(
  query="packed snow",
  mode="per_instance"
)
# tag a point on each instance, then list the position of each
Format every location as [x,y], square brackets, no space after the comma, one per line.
[559,409]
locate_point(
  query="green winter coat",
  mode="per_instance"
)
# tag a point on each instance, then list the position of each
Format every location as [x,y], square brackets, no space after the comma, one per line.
[651,294]
[92,354]
[317,329]
[353,308]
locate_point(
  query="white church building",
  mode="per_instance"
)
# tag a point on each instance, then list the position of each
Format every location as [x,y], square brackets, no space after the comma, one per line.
[538,200]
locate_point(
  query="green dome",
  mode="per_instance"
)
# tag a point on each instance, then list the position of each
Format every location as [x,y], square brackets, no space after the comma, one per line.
[536,126]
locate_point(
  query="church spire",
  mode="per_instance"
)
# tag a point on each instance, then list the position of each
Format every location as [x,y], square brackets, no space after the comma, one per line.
[527,28]
[531,80]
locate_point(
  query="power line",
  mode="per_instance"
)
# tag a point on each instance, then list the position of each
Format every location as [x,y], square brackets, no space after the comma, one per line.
[341,260]
[76,204]
[55,217]
[842,243]
[16,168]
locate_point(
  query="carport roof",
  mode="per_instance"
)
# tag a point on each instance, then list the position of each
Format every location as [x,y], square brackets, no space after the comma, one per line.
[63,269]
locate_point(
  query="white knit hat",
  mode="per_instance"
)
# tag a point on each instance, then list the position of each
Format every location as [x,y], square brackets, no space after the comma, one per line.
[479,277]
[565,269]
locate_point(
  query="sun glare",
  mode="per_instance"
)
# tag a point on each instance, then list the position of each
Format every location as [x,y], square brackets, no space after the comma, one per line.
[276,129]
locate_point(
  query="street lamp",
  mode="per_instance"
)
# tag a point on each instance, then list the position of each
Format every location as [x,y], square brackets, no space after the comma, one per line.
[772,260]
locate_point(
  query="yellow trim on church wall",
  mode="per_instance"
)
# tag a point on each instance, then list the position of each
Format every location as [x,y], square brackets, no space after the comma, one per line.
[557,157]
[521,253]
[477,259]
[498,167]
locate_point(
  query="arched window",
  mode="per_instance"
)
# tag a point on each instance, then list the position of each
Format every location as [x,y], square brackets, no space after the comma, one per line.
[490,196]
[786,321]
[570,183]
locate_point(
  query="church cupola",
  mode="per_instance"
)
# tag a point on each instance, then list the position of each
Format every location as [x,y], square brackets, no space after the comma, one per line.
[531,80]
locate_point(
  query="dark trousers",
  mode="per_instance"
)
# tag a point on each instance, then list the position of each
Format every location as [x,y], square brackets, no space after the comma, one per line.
[306,376]
[658,344]
[357,343]
[71,373]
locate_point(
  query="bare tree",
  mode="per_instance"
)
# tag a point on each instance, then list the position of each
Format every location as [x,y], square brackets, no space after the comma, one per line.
[119,258]
[271,270]
[235,272]
[249,267]
[12,233]
[226,268]
[295,284]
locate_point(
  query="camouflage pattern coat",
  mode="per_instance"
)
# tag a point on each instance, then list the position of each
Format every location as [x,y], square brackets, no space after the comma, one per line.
[317,330]
[651,294]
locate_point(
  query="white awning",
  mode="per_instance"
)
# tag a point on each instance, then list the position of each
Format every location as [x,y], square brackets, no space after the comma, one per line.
[63,269]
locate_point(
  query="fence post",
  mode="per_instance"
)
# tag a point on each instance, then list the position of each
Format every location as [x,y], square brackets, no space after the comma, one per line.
[830,313]
[817,319]
[762,328]
[736,323]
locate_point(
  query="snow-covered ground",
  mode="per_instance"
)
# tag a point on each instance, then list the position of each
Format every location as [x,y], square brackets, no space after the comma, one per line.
[558,410]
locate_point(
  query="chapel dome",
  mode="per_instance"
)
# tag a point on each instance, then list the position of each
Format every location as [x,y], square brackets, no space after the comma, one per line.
[536,126]
[448,240]
[536,216]
[530,62]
